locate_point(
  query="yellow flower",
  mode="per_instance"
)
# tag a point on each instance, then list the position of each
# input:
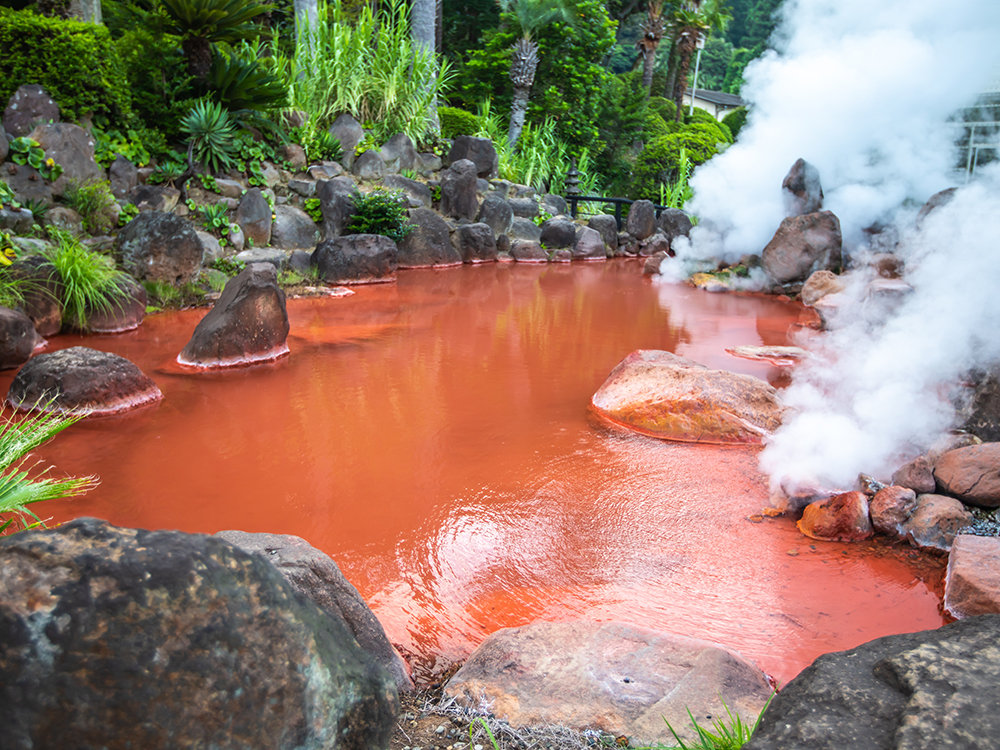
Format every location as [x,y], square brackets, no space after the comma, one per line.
[50,161]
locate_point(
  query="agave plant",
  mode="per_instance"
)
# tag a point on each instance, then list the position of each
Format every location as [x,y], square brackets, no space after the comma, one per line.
[210,135]
[17,488]
[201,22]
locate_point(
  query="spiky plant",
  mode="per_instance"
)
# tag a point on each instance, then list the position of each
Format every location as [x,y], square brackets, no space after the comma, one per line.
[90,280]
[17,488]
[210,135]
[199,23]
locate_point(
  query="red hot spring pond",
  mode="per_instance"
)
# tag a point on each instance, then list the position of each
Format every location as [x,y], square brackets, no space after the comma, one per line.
[433,437]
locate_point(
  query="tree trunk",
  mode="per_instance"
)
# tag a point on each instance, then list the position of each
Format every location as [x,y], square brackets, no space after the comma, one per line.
[523,64]
[668,90]
[306,19]
[198,53]
[423,25]
[648,64]
[687,43]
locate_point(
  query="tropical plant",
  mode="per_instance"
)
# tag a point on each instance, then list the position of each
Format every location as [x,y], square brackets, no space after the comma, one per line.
[7,256]
[210,135]
[96,204]
[38,208]
[370,68]
[652,30]
[90,280]
[25,150]
[108,144]
[691,21]
[679,192]
[199,23]
[239,81]
[129,211]
[18,488]
[380,212]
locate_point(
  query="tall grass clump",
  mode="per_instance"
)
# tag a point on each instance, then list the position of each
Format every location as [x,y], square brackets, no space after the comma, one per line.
[368,67]
[17,488]
[539,159]
[90,280]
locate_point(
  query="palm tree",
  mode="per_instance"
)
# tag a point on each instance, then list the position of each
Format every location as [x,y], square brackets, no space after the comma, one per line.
[693,20]
[652,33]
[531,15]
[200,22]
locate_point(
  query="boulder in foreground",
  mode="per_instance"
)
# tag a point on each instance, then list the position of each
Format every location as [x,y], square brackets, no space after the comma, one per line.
[972,586]
[248,324]
[118,638]
[610,676]
[933,689]
[662,395]
[81,380]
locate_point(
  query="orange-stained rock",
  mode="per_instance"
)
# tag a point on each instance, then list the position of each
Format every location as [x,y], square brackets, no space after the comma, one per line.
[659,394]
[972,586]
[972,474]
[841,518]
[891,508]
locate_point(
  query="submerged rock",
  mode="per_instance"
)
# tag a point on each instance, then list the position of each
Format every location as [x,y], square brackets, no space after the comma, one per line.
[841,518]
[611,676]
[314,574]
[116,638]
[934,689]
[659,394]
[81,380]
[247,325]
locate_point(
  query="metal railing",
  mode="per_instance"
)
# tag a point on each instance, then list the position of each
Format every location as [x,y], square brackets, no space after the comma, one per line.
[618,203]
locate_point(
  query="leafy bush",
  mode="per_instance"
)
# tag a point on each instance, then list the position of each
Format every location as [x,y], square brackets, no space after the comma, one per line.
[314,208]
[108,144]
[210,135]
[18,488]
[456,121]
[655,126]
[380,212]
[90,280]
[735,121]
[239,81]
[76,62]
[663,107]
[228,266]
[96,204]
[660,161]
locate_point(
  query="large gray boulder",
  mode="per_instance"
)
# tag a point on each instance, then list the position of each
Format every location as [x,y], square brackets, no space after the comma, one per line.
[124,312]
[293,229]
[117,638]
[480,151]
[641,219]
[559,231]
[253,215]
[336,201]
[606,226]
[26,183]
[72,148]
[398,154]
[802,245]
[674,223]
[248,324]
[313,574]
[476,243]
[496,212]
[588,245]
[349,132]
[429,242]
[418,194]
[28,107]
[928,690]
[18,338]
[458,190]
[356,259]
[369,166]
[124,176]
[612,676]
[43,292]
[157,246]
[81,380]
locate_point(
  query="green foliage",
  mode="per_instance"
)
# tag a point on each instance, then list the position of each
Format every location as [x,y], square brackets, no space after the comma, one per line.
[568,84]
[622,121]
[238,81]
[162,293]
[38,208]
[108,144]
[679,192]
[464,22]
[314,209]
[25,150]
[213,20]
[90,280]
[17,489]
[742,57]
[319,145]
[210,135]
[7,197]
[665,108]
[7,256]
[735,121]
[76,62]
[456,121]
[228,266]
[715,59]
[660,160]
[371,69]
[167,171]
[129,211]
[730,733]
[701,116]
[96,204]
[380,212]
[368,143]
[655,126]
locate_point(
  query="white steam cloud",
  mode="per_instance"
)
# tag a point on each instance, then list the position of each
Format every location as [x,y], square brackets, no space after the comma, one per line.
[863,90]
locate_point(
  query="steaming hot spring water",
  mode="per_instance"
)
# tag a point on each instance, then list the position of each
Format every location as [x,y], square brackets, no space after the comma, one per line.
[433,437]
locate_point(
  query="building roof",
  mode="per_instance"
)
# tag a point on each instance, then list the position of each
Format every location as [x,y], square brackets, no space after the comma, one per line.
[717,97]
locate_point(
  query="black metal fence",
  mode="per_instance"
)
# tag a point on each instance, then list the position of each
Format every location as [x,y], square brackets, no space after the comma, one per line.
[618,203]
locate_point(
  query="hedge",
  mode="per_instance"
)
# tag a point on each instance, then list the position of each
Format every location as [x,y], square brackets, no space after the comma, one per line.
[455,121]
[75,62]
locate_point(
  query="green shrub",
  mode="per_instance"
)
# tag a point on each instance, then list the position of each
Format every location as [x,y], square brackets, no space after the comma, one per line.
[96,204]
[380,212]
[663,107]
[703,117]
[90,280]
[660,161]
[735,121]
[654,126]
[75,62]
[228,266]
[455,121]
